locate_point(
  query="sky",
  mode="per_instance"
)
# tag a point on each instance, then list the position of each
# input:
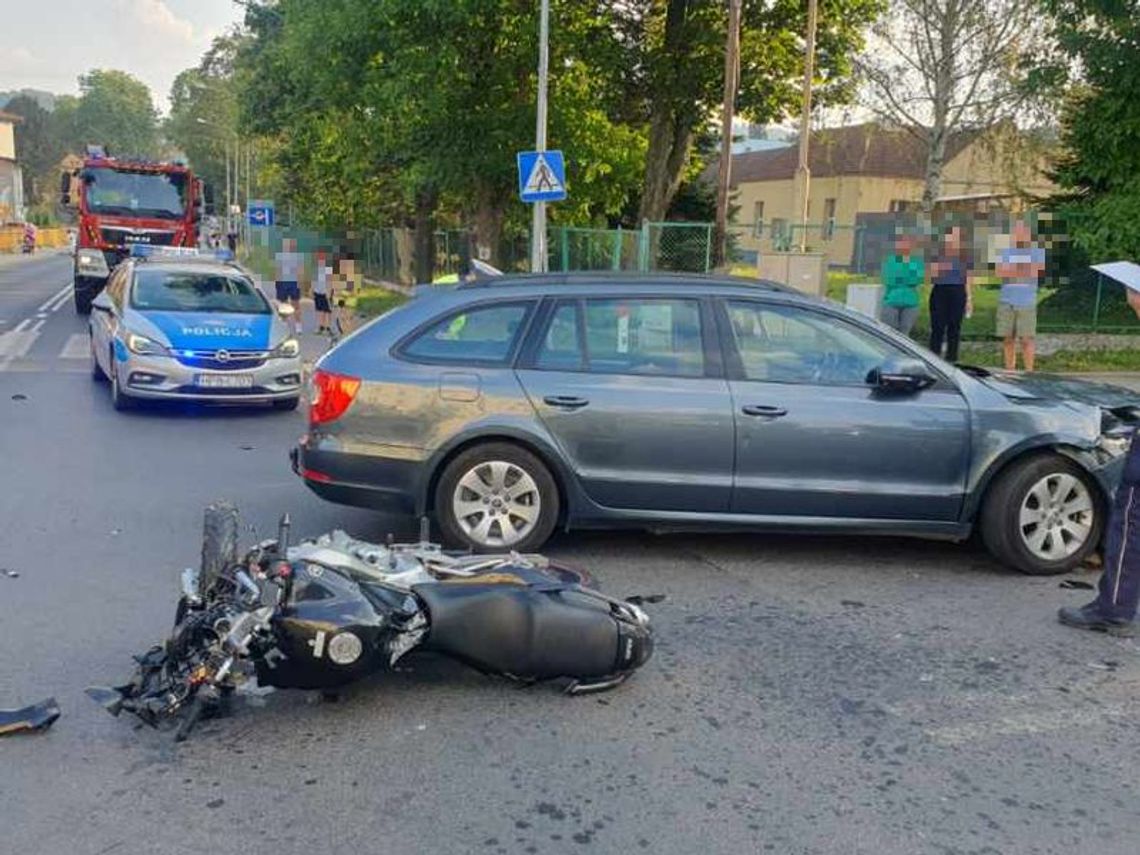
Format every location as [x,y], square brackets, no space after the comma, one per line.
[47,44]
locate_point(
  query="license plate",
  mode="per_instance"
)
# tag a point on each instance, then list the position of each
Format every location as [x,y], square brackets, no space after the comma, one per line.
[225,381]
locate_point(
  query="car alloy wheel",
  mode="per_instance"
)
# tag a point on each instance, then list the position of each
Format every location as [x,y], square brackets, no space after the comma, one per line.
[1056,517]
[496,503]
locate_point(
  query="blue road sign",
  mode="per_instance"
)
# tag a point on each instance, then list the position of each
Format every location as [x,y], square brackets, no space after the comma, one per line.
[261,212]
[542,176]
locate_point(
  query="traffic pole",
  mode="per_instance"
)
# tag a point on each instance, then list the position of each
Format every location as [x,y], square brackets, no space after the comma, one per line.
[803,172]
[724,172]
[538,254]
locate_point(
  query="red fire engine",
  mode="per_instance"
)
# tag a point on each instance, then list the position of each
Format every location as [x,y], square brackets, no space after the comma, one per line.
[121,203]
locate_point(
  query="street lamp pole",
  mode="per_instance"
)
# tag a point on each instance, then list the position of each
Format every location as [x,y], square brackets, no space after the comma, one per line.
[803,173]
[538,254]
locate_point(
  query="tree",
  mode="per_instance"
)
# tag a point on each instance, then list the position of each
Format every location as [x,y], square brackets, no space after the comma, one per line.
[938,67]
[203,120]
[38,149]
[673,62]
[115,110]
[426,104]
[1099,166]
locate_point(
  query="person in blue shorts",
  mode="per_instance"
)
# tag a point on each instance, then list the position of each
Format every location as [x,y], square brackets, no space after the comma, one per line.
[288,279]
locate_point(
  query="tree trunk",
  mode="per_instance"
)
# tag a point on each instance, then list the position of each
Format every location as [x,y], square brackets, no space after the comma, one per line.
[426,199]
[670,123]
[488,230]
[935,157]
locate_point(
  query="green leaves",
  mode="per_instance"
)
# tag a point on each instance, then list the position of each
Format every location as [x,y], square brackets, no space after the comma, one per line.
[116,111]
[1099,168]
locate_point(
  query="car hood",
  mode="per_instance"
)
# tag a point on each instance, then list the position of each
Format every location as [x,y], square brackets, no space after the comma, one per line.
[1052,387]
[195,331]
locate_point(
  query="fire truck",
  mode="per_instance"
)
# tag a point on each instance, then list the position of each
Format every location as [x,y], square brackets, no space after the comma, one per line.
[120,203]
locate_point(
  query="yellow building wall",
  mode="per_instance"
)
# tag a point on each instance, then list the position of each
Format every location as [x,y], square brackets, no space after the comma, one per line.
[995,168]
[7,140]
[853,194]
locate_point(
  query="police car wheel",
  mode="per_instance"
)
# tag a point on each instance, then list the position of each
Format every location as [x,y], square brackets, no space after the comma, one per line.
[286,403]
[119,400]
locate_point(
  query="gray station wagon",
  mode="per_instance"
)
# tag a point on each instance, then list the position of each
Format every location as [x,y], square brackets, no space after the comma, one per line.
[509,407]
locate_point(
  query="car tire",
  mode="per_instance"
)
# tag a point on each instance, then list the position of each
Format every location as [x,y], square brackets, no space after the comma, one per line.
[286,404]
[120,400]
[1042,516]
[510,493]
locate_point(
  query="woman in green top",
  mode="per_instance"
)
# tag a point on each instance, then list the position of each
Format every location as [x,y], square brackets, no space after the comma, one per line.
[903,274]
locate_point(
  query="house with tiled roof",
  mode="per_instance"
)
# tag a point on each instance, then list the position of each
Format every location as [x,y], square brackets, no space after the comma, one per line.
[872,169]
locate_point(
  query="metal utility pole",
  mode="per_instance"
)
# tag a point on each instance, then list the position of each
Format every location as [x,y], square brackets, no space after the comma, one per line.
[803,173]
[724,174]
[538,259]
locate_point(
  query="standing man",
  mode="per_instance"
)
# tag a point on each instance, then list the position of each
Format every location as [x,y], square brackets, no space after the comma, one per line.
[1114,609]
[1019,267]
[288,280]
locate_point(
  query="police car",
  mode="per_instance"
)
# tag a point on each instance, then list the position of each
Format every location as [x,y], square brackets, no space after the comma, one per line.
[188,325]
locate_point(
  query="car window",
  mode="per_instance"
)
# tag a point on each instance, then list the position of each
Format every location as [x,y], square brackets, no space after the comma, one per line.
[480,334]
[561,347]
[785,344]
[178,291]
[644,336]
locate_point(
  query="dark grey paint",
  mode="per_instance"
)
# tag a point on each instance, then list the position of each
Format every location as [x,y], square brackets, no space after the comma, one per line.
[675,451]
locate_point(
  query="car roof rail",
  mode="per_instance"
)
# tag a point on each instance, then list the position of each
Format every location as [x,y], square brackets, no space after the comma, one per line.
[613,277]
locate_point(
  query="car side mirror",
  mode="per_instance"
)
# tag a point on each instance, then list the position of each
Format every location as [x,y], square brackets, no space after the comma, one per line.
[103,303]
[901,376]
[285,310]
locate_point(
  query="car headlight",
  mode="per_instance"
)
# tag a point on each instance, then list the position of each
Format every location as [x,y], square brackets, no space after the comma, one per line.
[91,263]
[287,349]
[143,346]
[1114,445]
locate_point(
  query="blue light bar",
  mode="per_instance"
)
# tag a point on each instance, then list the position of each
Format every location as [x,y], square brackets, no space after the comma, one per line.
[142,250]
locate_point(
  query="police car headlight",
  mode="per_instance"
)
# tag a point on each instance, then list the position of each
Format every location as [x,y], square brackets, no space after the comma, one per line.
[287,349]
[143,346]
[91,263]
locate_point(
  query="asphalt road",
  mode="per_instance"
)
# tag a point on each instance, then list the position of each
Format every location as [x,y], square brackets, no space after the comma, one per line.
[808,695]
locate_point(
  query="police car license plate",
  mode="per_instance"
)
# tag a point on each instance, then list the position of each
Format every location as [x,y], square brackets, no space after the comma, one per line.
[225,381]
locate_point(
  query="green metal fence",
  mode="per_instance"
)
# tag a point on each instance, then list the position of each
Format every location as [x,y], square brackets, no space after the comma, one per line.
[685,247]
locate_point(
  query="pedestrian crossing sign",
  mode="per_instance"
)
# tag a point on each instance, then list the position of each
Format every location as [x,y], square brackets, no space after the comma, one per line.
[542,176]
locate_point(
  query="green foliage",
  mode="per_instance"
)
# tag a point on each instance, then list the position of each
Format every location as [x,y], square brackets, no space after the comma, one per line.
[38,149]
[1099,171]
[115,110]
[203,118]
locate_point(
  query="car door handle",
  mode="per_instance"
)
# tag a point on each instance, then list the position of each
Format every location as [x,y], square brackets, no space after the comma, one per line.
[763,410]
[565,402]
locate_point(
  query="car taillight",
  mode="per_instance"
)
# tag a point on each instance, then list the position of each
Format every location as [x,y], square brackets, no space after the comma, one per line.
[332,395]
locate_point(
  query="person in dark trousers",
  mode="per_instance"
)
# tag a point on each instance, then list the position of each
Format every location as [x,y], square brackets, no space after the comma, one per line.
[951,297]
[1114,609]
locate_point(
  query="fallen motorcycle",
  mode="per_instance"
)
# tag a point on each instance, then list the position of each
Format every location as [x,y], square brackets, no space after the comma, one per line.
[331,610]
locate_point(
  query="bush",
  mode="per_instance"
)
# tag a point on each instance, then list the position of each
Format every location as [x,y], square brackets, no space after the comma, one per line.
[374,303]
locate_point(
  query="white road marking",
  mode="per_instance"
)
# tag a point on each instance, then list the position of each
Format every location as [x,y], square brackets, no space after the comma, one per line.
[61,299]
[76,347]
[22,325]
[56,296]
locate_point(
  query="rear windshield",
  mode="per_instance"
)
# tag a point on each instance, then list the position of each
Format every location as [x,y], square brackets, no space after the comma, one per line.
[190,291]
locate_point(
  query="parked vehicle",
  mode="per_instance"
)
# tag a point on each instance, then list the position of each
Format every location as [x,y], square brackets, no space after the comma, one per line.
[125,202]
[329,611]
[510,407]
[190,326]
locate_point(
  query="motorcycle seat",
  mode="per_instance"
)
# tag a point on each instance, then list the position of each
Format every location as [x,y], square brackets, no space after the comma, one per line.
[520,630]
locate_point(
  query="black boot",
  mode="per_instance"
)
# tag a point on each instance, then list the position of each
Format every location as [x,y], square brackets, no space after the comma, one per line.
[1091,617]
